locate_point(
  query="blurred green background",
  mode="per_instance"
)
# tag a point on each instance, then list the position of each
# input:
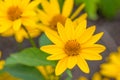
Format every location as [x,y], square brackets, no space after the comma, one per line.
[97,8]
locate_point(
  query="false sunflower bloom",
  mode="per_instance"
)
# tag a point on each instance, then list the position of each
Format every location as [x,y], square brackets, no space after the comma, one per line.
[73,45]
[14,13]
[50,13]
[112,67]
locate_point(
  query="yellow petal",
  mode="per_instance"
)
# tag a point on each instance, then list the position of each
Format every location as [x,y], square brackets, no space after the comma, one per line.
[52,49]
[20,35]
[33,4]
[2,63]
[96,48]
[24,3]
[69,30]
[0,54]
[43,17]
[61,31]
[79,9]
[114,58]
[72,61]
[80,28]
[67,7]
[55,6]
[28,13]
[82,78]
[109,69]
[43,71]
[53,36]
[4,28]
[97,76]
[94,39]
[79,19]
[17,24]
[82,64]
[50,69]
[8,3]
[8,33]
[87,34]
[61,66]
[5,25]
[57,56]
[16,2]
[90,56]
[29,22]
[49,9]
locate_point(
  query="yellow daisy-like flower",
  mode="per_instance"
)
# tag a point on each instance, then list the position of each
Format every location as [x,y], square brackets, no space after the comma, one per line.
[73,45]
[14,13]
[112,67]
[50,15]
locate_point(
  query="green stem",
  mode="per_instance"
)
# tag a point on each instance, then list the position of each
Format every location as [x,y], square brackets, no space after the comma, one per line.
[30,38]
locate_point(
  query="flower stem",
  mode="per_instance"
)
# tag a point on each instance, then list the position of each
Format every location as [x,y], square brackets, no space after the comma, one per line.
[30,38]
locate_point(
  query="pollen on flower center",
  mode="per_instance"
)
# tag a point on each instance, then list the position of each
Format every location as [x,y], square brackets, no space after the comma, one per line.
[14,13]
[55,20]
[72,48]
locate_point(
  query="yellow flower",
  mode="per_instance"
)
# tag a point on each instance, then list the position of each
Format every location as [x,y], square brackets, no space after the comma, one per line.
[112,67]
[16,13]
[2,62]
[82,78]
[21,33]
[50,15]
[73,45]
[48,72]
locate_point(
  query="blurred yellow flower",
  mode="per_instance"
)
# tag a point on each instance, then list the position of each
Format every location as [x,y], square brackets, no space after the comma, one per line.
[21,33]
[50,15]
[73,45]
[2,62]
[112,67]
[98,76]
[48,72]
[16,13]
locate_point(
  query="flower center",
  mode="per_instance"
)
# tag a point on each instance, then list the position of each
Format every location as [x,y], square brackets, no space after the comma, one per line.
[55,20]
[72,48]
[14,13]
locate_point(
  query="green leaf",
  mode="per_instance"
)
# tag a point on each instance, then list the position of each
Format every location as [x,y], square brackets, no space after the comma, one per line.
[43,40]
[91,8]
[61,2]
[69,73]
[30,57]
[24,72]
[77,2]
[109,7]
